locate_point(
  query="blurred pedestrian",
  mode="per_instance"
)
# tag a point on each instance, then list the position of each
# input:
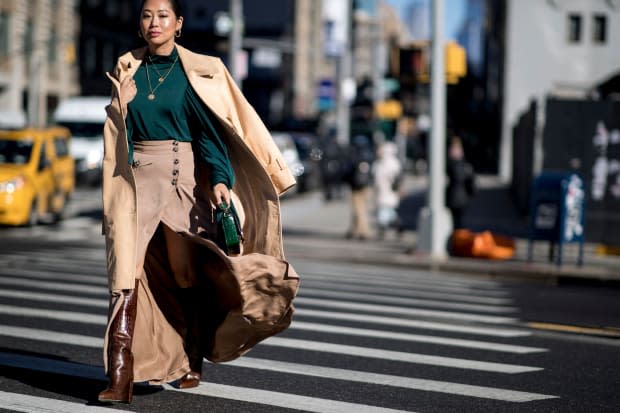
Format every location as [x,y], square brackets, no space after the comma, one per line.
[461,182]
[387,176]
[359,177]
[179,137]
[332,166]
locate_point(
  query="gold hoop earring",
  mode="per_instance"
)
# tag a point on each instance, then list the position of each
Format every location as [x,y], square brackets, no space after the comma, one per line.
[140,34]
[177,33]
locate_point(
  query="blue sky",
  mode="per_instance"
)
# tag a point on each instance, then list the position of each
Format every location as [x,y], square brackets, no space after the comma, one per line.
[454,10]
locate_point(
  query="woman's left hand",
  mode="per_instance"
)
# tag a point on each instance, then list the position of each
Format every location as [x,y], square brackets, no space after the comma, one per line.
[221,194]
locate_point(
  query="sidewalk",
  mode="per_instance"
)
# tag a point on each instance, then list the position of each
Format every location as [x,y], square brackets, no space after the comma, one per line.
[314,229]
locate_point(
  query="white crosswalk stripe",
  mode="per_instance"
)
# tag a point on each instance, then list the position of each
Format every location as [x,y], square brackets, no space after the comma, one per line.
[335,309]
[409,301]
[307,345]
[31,404]
[272,398]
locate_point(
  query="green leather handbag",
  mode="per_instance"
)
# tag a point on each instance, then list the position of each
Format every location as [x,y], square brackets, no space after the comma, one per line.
[230,229]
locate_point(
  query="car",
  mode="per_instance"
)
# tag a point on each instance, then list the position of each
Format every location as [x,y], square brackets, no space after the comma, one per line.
[310,154]
[84,116]
[284,141]
[37,174]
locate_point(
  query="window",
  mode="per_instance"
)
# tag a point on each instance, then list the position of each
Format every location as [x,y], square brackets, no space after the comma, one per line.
[574,28]
[4,33]
[15,151]
[52,43]
[28,39]
[61,147]
[43,162]
[599,33]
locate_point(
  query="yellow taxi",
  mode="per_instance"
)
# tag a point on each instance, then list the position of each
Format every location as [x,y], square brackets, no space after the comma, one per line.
[37,174]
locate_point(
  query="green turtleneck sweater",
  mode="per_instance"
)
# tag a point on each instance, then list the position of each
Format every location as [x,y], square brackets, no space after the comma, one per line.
[177,113]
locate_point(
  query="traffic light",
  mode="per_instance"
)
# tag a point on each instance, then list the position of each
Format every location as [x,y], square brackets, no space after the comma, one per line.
[456,62]
[414,62]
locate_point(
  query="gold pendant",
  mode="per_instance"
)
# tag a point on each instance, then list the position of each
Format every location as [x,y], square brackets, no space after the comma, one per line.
[151,96]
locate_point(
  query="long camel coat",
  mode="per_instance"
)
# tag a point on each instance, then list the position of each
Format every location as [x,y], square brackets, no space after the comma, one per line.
[246,298]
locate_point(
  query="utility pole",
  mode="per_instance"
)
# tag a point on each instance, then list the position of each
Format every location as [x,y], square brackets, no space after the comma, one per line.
[37,86]
[346,86]
[235,38]
[435,220]
[378,56]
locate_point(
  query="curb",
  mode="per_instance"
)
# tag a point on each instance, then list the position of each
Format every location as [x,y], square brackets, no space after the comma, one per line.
[360,254]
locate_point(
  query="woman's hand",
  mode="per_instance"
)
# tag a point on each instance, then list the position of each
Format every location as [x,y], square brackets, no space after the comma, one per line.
[128,91]
[221,194]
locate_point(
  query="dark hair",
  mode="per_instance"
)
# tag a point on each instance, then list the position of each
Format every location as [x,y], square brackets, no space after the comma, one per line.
[176,7]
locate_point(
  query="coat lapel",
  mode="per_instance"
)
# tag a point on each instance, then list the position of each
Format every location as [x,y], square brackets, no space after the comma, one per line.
[207,78]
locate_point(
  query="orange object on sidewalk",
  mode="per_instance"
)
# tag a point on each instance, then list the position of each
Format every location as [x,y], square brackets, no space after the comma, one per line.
[465,243]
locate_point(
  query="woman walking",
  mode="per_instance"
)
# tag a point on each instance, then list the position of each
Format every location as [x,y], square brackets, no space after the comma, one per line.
[387,172]
[461,185]
[183,150]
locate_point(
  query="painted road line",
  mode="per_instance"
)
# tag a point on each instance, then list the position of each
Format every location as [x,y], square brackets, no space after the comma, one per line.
[84,318]
[55,298]
[401,322]
[392,335]
[245,394]
[52,256]
[376,298]
[409,285]
[56,276]
[299,345]
[285,400]
[371,308]
[49,336]
[366,318]
[51,263]
[16,402]
[613,332]
[55,286]
[369,272]
[397,292]
[70,316]
[410,282]
[399,356]
[390,380]
[411,312]
[310,266]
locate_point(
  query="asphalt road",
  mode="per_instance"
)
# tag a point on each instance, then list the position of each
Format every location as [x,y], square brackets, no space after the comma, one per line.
[364,339]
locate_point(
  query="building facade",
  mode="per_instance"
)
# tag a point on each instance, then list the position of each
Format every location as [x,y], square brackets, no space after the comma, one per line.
[52,49]
[555,47]
[38,65]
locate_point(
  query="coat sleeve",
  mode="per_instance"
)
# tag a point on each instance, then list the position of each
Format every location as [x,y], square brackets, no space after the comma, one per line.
[253,131]
[209,144]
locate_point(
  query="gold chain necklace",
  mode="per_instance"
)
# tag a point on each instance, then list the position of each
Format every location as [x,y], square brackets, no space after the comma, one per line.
[161,79]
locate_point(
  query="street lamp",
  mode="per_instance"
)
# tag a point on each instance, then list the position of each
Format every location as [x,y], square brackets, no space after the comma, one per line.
[435,223]
[231,24]
[235,38]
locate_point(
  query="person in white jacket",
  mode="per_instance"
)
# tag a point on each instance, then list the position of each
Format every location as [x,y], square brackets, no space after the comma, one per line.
[387,174]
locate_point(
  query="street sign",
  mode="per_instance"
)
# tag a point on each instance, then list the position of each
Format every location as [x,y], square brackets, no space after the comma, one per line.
[326,99]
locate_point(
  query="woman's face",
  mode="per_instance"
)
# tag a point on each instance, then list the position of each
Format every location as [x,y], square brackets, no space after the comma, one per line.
[158,23]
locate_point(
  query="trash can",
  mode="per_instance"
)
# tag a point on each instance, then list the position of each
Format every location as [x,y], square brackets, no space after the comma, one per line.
[557,212]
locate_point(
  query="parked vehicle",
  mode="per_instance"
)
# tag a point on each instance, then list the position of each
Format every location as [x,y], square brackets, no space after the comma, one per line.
[310,154]
[12,119]
[285,143]
[84,117]
[37,174]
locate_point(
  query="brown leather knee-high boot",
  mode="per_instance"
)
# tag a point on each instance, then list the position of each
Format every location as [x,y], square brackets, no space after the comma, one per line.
[120,358]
